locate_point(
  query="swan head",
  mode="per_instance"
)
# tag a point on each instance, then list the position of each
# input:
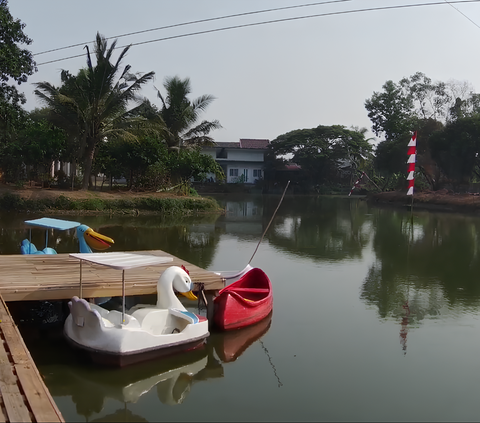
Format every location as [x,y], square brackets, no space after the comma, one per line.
[182,282]
[174,279]
[89,239]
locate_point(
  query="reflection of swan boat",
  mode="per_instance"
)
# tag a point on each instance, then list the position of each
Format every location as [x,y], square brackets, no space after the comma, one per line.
[244,302]
[232,344]
[173,378]
[119,338]
[87,237]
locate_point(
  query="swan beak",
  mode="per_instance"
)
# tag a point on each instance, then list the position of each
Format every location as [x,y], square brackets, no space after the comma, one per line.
[96,240]
[190,295]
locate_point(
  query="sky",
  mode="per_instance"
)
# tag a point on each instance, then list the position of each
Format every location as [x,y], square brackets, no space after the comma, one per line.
[267,79]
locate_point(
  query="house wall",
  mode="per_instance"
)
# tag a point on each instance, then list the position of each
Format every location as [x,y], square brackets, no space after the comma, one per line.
[243,172]
[239,165]
[245,155]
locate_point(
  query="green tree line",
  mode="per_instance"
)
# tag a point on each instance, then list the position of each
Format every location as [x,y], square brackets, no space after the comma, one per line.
[97,120]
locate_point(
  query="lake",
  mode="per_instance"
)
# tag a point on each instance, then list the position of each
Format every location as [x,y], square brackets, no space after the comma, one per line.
[376,317]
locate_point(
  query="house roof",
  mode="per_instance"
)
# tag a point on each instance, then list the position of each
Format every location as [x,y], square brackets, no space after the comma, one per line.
[227,144]
[253,143]
[292,166]
[245,143]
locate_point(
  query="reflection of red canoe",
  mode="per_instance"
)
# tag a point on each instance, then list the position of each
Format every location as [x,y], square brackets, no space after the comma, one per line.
[244,302]
[232,344]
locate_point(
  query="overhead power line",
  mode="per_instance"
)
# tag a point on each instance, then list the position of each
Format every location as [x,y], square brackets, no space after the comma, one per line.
[459,11]
[199,21]
[318,15]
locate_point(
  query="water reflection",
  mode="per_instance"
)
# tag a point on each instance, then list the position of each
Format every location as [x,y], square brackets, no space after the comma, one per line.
[425,268]
[359,272]
[69,373]
[323,230]
[173,378]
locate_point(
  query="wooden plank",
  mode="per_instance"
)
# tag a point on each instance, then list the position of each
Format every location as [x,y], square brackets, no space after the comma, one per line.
[3,411]
[15,406]
[15,344]
[23,392]
[35,393]
[33,277]
[4,357]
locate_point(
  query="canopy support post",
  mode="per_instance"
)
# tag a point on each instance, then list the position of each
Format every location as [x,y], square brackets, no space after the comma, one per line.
[123,296]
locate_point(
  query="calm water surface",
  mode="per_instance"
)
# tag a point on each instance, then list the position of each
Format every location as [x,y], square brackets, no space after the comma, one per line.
[375,318]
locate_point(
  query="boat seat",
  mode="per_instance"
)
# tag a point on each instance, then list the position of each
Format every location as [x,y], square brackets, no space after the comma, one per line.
[115,317]
[259,290]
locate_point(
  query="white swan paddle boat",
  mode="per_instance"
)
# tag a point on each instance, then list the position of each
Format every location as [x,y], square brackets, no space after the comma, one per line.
[119,338]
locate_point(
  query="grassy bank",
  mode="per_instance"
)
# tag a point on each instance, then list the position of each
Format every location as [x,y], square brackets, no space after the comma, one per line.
[64,204]
[442,200]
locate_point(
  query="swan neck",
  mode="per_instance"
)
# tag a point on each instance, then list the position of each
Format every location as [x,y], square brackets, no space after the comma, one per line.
[166,298]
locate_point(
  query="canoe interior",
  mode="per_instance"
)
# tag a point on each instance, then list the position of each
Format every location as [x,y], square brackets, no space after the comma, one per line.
[244,302]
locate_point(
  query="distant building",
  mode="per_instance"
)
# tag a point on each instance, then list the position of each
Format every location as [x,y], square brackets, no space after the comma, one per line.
[242,161]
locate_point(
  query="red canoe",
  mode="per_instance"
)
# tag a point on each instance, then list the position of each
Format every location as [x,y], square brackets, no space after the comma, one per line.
[244,302]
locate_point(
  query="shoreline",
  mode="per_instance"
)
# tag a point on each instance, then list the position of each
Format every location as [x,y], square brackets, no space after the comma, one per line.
[442,200]
[59,201]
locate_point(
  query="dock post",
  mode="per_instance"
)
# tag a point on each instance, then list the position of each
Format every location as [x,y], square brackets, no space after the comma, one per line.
[210,295]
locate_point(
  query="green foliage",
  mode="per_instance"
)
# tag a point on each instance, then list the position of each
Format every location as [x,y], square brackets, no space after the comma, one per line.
[93,105]
[93,204]
[391,111]
[16,63]
[185,205]
[188,164]
[148,164]
[456,149]
[140,162]
[180,115]
[324,150]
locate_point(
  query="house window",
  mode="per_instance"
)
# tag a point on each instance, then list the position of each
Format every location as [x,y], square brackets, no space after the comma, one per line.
[233,172]
[257,173]
[222,154]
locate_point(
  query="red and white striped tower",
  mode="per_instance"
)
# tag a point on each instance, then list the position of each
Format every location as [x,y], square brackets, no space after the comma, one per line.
[412,154]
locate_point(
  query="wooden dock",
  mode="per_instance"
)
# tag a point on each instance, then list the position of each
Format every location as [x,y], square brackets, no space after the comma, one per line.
[23,394]
[57,277]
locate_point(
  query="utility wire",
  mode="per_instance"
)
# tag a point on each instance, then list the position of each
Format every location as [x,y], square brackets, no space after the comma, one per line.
[199,21]
[459,11]
[405,6]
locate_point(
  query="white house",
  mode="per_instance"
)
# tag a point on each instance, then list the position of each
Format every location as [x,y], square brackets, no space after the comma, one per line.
[241,161]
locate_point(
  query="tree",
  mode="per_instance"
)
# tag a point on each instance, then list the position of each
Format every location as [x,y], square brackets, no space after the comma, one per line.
[324,150]
[95,103]
[456,149]
[180,115]
[429,100]
[390,111]
[41,144]
[16,63]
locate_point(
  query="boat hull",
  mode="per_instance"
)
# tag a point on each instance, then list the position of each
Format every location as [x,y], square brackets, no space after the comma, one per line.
[244,302]
[122,359]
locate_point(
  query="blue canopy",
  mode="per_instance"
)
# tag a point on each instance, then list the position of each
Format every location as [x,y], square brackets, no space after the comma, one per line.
[47,223]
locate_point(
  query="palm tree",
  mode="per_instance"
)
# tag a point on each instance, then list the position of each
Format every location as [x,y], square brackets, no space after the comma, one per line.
[180,115]
[93,106]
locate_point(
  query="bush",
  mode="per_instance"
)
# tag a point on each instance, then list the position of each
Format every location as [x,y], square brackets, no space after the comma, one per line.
[183,205]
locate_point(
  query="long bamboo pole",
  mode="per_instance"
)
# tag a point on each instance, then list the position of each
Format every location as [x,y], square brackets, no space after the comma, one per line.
[265,231]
